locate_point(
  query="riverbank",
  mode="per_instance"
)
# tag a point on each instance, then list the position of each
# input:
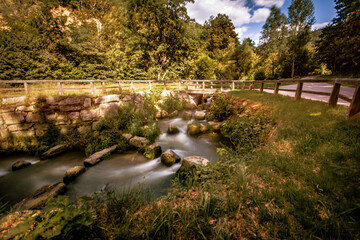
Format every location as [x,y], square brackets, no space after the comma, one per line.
[302,182]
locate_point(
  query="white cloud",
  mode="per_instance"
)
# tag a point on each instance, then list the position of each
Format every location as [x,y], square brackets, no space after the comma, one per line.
[319,25]
[260,15]
[269,3]
[236,10]
[240,31]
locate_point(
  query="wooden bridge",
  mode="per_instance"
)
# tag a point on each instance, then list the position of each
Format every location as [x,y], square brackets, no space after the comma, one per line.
[10,88]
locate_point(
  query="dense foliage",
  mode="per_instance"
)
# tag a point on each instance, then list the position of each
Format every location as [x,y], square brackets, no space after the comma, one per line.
[152,39]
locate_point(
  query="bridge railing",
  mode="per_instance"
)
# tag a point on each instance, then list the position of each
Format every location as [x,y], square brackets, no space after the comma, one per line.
[51,87]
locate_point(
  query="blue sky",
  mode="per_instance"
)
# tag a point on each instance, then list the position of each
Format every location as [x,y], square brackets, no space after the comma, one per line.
[249,16]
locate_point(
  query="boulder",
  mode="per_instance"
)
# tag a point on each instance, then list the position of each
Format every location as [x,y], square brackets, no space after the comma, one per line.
[109,109]
[20,164]
[199,115]
[174,114]
[127,136]
[172,129]
[215,126]
[139,142]
[97,157]
[189,106]
[73,173]
[20,127]
[161,114]
[191,162]
[13,117]
[204,128]
[84,129]
[54,151]
[153,151]
[107,99]
[90,115]
[193,129]
[41,196]
[70,108]
[169,158]
[70,101]
[87,102]
[187,115]
[13,100]
[25,108]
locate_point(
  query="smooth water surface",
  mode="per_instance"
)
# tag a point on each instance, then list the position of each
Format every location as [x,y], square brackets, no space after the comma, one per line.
[118,172]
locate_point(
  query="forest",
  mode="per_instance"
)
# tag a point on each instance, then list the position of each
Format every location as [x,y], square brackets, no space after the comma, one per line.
[157,40]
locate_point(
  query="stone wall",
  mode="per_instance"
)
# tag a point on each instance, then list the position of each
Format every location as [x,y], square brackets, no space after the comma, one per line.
[29,117]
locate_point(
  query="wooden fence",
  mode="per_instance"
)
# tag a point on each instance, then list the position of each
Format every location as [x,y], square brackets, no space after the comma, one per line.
[195,86]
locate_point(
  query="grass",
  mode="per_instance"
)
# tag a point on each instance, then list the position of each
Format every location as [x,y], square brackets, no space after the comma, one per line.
[302,184]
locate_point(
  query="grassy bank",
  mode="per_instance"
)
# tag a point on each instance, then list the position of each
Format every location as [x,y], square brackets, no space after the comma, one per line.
[302,183]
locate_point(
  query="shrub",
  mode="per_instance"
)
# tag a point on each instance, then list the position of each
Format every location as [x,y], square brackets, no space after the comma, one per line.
[222,107]
[170,104]
[260,75]
[247,131]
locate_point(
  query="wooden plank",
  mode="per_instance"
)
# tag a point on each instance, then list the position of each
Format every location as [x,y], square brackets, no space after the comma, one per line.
[276,89]
[120,88]
[261,87]
[150,85]
[26,87]
[334,95]
[299,90]
[355,104]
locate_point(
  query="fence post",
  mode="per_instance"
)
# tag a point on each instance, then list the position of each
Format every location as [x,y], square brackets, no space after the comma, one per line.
[203,84]
[92,88]
[221,88]
[233,85]
[103,87]
[150,85]
[277,86]
[262,87]
[334,95]
[26,88]
[299,90]
[355,104]
[60,89]
[120,88]
[251,86]
[180,85]
[132,86]
[212,83]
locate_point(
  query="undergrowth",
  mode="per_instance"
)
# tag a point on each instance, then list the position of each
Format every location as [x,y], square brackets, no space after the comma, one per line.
[302,184]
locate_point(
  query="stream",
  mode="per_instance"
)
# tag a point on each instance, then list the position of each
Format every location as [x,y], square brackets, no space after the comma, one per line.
[119,172]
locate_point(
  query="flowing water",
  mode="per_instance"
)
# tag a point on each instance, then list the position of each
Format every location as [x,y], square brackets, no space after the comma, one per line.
[119,171]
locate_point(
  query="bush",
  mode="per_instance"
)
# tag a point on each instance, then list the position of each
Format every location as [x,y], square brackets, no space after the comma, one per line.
[170,104]
[222,107]
[247,131]
[260,75]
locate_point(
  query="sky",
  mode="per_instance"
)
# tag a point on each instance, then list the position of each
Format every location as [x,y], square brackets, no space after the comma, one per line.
[248,16]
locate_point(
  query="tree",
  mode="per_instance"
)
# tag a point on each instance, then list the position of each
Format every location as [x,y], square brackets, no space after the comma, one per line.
[159,26]
[338,44]
[273,36]
[301,17]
